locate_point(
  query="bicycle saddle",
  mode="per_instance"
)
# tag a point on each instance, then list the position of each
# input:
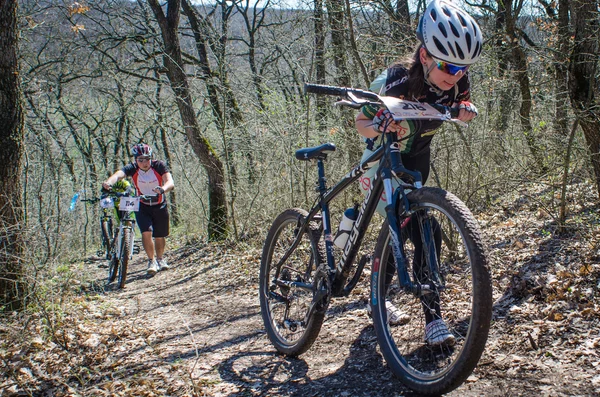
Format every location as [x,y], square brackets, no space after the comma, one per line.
[318,152]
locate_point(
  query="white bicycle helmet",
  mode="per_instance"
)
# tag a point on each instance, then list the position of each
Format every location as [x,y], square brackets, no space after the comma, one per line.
[450,34]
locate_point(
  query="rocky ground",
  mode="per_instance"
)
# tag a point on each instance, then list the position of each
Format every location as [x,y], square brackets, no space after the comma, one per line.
[196,329]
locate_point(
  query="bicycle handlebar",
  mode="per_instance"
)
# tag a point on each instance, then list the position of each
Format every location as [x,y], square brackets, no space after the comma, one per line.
[338,91]
[353,96]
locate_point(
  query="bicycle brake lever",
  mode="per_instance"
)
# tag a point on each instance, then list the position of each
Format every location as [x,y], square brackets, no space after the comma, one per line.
[345,102]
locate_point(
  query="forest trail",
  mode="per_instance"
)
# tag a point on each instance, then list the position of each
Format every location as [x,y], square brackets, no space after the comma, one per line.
[196,329]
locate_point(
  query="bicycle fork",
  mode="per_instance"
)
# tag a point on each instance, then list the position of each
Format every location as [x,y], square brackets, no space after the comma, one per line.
[125,226]
[428,242]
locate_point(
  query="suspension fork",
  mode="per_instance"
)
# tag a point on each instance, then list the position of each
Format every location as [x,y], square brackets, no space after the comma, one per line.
[429,244]
[395,236]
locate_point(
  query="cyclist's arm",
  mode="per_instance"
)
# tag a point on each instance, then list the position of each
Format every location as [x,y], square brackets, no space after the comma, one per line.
[364,126]
[167,180]
[117,176]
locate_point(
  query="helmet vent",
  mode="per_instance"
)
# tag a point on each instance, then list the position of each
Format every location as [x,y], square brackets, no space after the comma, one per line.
[440,46]
[451,49]
[461,55]
[477,49]
[454,30]
[462,20]
[433,14]
[468,39]
[443,29]
[447,12]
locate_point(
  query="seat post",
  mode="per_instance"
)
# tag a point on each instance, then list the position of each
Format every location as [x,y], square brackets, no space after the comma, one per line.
[322,181]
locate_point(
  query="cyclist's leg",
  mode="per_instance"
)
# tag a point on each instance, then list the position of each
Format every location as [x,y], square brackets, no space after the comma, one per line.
[144,221]
[431,303]
[160,228]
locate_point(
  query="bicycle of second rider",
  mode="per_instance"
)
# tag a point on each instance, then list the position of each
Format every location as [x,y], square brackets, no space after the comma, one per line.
[429,260]
[123,246]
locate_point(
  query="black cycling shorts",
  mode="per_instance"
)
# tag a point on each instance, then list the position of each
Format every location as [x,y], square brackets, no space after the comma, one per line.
[154,218]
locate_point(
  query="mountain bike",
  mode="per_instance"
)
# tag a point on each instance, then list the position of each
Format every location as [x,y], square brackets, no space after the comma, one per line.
[123,242]
[429,258]
[106,224]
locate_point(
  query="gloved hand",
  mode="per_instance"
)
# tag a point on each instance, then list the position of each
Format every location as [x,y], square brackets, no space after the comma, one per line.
[382,121]
[467,111]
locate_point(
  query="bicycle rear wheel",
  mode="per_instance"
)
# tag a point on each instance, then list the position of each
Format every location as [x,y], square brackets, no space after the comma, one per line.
[285,308]
[124,256]
[464,301]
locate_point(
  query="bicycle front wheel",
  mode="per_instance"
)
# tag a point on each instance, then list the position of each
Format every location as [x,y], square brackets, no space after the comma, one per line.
[113,265]
[443,247]
[124,256]
[107,237]
[285,289]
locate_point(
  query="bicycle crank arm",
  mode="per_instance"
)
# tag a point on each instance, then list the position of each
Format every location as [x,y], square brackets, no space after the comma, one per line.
[320,303]
[293,284]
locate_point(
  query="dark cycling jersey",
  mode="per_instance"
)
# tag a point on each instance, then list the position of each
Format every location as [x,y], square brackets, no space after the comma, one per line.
[146,181]
[393,82]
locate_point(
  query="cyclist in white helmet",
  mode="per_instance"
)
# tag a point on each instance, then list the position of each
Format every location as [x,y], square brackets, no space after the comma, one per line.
[450,42]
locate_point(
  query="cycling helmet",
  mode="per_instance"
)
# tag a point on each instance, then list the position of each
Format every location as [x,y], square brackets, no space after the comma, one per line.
[450,34]
[121,186]
[141,149]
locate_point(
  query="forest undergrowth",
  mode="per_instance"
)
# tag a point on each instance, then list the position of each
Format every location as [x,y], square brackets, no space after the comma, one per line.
[196,329]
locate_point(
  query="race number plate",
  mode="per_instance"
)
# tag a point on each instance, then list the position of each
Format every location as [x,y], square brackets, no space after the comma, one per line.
[129,204]
[403,110]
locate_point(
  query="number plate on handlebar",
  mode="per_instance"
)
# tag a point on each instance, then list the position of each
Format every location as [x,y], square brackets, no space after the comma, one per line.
[129,204]
[406,110]
[107,202]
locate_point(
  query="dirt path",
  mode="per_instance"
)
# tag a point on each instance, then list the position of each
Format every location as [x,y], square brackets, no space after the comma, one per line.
[199,324]
[196,329]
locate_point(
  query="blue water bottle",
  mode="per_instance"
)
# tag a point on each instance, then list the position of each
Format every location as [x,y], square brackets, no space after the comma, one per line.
[74,201]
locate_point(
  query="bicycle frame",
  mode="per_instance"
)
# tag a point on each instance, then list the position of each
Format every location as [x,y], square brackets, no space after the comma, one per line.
[388,156]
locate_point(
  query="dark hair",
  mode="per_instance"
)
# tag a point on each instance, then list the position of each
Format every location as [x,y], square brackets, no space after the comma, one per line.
[416,77]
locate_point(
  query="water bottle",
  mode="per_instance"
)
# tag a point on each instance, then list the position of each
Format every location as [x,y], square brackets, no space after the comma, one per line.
[345,227]
[74,201]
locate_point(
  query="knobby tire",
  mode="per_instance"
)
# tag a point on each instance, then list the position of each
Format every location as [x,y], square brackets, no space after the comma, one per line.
[113,265]
[107,238]
[124,256]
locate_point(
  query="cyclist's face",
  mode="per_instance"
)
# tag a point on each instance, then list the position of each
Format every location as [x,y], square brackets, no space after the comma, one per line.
[440,78]
[143,163]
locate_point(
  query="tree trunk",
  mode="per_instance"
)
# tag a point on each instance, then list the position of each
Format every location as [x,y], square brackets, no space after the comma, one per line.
[335,13]
[321,101]
[217,226]
[582,77]
[12,287]
[560,68]
[519,59]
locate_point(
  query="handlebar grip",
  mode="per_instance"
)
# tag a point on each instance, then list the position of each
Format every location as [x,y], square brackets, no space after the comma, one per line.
[324,89]
[444,109]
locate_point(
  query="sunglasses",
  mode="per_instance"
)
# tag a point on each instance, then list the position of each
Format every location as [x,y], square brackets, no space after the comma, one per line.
[450,68]
[142,159]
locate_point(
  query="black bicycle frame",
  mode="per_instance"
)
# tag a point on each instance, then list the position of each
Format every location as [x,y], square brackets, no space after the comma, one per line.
[390,164]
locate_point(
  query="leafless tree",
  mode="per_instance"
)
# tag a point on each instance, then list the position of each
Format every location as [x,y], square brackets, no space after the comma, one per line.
[12,282]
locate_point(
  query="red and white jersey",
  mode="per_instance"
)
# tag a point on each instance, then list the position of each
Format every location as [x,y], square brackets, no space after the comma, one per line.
[146,181]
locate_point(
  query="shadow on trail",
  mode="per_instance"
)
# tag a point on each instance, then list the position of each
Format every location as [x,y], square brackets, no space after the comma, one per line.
[363,374]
